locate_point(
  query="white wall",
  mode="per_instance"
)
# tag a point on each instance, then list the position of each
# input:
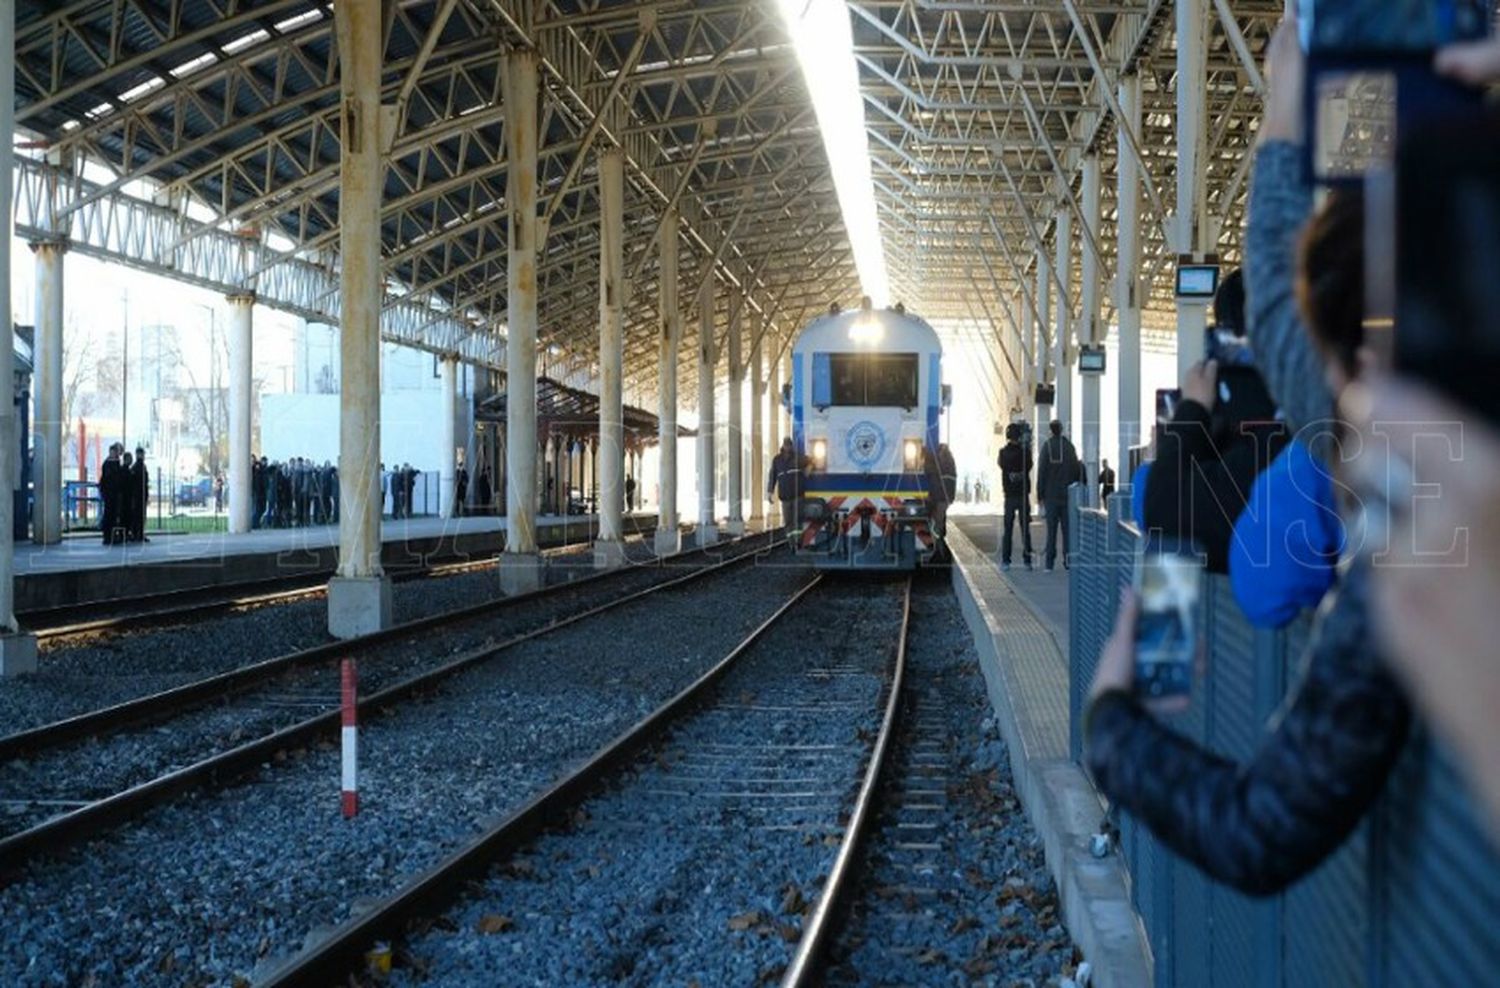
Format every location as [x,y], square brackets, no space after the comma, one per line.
[308,425]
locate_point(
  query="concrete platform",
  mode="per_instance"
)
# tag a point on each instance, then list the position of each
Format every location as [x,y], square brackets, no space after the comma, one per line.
[1014,619]
[84,570]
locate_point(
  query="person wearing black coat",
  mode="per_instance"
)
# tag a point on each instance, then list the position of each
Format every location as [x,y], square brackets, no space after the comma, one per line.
[1015,464]
[460,490]
[483,493]
[133,504]
[785,482]
[1057,472]
[111,493]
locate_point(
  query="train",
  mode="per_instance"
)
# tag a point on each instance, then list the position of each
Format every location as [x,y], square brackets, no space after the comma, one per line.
[866,400]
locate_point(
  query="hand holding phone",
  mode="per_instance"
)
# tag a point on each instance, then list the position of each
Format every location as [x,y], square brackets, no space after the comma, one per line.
[1169,586]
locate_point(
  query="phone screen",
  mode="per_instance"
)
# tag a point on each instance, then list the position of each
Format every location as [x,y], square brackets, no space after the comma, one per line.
[1169,584]
[1167,400]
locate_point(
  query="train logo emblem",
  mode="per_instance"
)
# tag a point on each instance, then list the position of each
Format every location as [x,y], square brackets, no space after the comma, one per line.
[865,444]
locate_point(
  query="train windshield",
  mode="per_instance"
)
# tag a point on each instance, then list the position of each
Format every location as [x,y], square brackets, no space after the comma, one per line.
[887,380]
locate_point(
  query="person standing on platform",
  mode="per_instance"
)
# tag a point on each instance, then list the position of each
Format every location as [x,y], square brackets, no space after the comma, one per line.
[111,490]
[1058,471]
[460,490]
[409,476]
[483,492]
[629,493]
[785,483]
[1015,483]
[140,493]
[1106,483]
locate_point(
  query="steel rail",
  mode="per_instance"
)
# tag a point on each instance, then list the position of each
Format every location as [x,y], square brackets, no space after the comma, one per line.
[822,923]
[178,699]
[330,960]
[56,622]
[60,833]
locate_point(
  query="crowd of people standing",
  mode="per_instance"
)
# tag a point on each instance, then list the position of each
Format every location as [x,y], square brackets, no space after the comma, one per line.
[124,489]
[294,494]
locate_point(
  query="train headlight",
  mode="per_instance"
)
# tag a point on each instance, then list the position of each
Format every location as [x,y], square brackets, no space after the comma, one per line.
[820,453]
[912,451]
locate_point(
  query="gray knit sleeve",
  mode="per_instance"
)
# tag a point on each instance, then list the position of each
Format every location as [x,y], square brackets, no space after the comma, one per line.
[1280,203]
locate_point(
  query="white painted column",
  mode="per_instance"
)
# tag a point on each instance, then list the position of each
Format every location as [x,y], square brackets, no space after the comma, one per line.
[609,549]
[1062,342]
[773,417]
[708,529]
[1043,353]
[241,398]
[521,564]
[1192,136]
[448,461]
[668,536]
[359,595]
[49,429]
[17,651]
[1127,282]
[1090,330]
[756,489]
[734,463]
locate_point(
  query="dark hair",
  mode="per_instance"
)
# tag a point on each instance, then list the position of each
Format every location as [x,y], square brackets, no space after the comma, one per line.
[1331,277]
[1056,427]
[1229,303]
[1013,432]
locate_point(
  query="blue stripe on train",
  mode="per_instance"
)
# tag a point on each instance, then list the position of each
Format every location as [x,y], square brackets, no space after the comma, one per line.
[798,439]
[934,399]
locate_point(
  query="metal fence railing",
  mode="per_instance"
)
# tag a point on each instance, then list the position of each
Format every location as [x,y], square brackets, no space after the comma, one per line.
[1411,900]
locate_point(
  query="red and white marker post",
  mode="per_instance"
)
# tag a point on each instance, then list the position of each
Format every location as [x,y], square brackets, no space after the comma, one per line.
[349,677]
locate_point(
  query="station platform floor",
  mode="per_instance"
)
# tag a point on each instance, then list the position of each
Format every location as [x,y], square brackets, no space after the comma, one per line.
[82,569]
[1019,620]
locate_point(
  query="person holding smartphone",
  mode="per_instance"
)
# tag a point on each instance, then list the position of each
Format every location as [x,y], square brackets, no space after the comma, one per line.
[1262,825]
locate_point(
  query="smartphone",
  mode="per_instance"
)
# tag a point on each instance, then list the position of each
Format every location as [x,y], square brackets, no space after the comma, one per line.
[1167,400]
[1169,585]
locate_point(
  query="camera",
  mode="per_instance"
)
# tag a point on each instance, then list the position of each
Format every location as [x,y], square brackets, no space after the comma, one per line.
[1370,77]
[1447,260]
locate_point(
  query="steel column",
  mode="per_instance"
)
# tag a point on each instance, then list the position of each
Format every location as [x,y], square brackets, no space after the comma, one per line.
[1043,350]
[1089,329]
[448,461]
[734,466]
[668,537]
[520,568]
[773,409]
[47,434]
[1192,135]
[609,550]
[17,651]
[756,490]
[1062,344]
[707,359]
[241,399]
[359,596]
[1127,276]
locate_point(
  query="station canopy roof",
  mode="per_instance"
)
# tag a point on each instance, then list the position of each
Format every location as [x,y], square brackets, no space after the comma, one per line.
[574,413]
[201,140]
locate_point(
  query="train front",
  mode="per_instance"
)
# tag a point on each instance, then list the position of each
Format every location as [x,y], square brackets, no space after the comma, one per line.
[866,398]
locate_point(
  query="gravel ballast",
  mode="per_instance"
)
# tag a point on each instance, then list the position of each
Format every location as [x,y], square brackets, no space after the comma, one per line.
[979,907]
[698,865]
[50,782]
[208,889]
[84,672]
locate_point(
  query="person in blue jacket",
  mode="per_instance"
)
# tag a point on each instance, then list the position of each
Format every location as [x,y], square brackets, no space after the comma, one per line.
[1286,544]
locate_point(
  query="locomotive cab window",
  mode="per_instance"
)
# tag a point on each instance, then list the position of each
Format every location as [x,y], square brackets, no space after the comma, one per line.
[874,380]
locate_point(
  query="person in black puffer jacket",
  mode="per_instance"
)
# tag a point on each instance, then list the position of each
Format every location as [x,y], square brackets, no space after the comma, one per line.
[1262,825]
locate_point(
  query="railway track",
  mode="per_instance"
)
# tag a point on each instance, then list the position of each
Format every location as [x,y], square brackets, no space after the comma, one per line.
[124,614]
[140,754]
[770,755]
